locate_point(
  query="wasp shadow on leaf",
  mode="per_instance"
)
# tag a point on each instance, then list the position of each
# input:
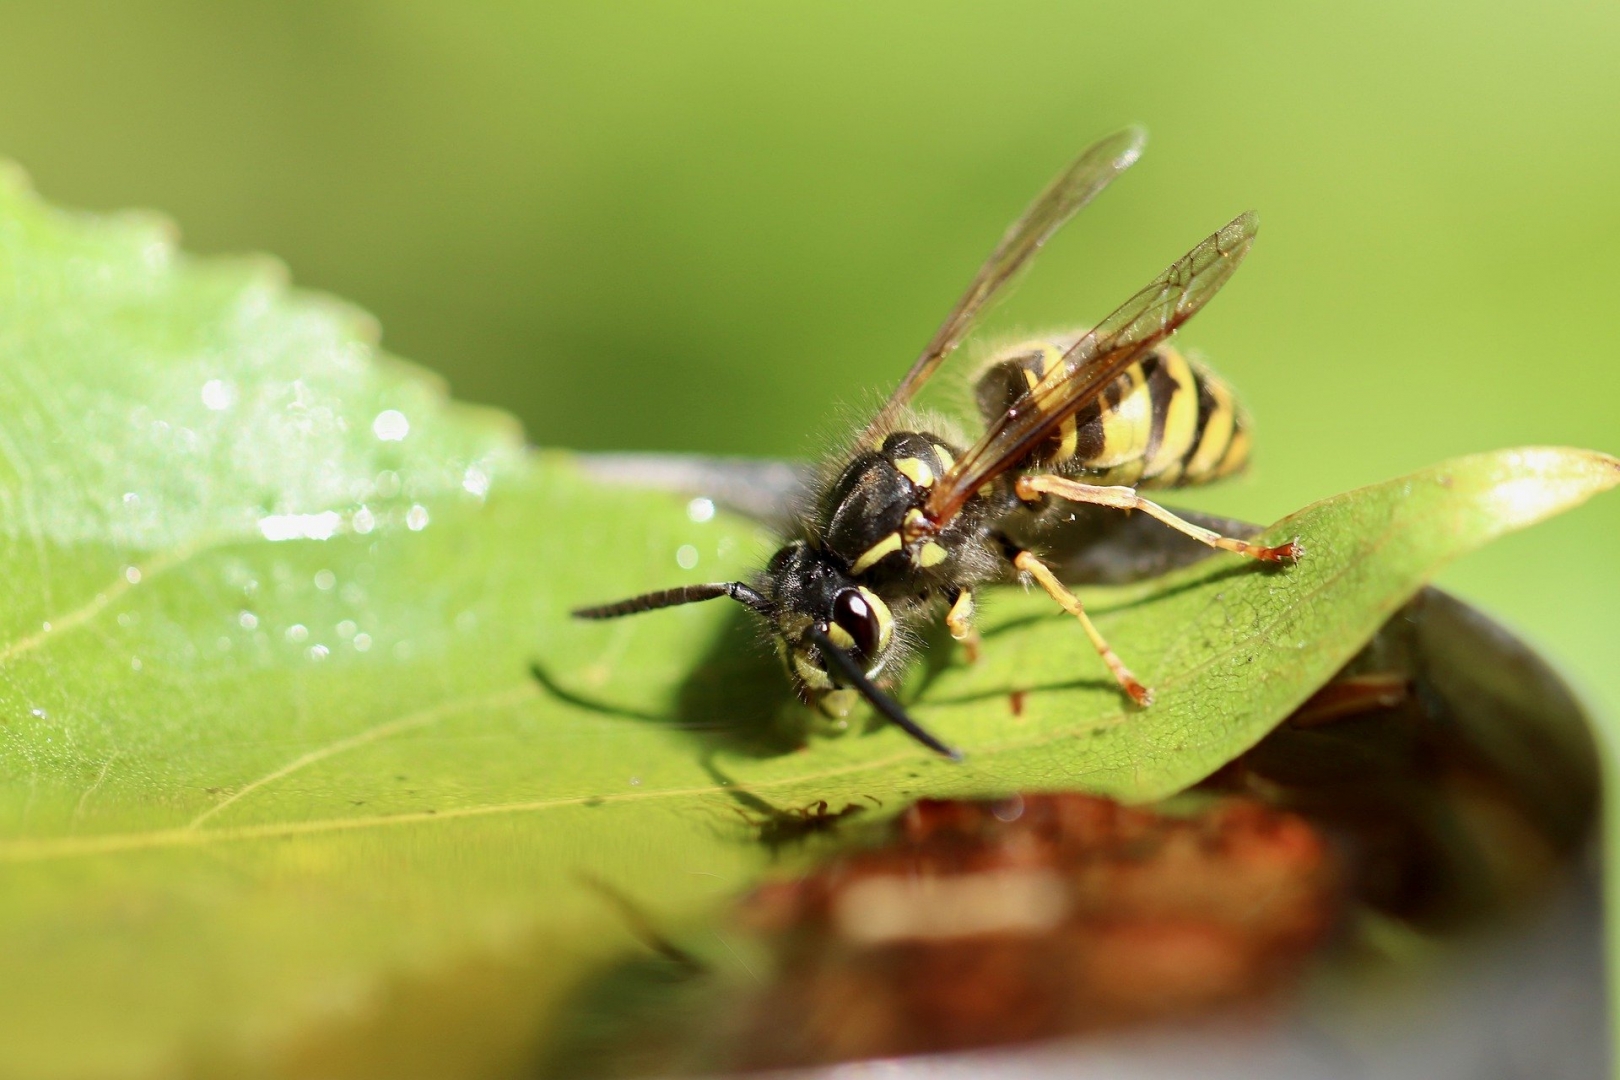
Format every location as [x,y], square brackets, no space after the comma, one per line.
[735,699]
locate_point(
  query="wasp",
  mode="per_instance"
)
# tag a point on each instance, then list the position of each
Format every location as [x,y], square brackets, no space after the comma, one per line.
[908,523]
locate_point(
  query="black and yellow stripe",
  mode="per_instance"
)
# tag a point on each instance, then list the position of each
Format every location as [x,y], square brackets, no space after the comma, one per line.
[1166,421]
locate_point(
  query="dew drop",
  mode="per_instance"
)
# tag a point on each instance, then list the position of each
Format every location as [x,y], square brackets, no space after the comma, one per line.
[391,425]
[364,521]
[132,574]
[362,642]
[130,498]
[325,580]
[416,518]
[387,484]
[297,632]
[686,556]
[39,714]
[135,663]
[475,481]
[322,526]
[635,781]
[700,510]
[218,394]
[248,621]
[318,652]
[346,629]
[45,626]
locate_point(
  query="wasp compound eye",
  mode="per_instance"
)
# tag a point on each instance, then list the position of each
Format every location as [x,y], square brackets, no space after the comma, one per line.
[854,615]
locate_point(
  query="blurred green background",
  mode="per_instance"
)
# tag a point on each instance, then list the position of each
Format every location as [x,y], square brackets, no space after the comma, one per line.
[711,226]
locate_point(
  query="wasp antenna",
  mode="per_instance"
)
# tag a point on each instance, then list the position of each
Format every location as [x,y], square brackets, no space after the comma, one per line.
[685,594]
[883,703]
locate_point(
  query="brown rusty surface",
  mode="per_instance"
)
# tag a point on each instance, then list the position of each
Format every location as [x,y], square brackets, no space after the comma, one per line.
[1061,914]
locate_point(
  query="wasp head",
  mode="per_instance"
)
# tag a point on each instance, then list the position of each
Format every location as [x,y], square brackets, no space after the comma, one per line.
[812,596]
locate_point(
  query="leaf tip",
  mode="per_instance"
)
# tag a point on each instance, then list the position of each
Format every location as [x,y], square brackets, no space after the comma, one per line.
[1540,481]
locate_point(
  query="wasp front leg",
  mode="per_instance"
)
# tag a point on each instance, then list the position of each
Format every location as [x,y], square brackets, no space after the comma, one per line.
[959,621]
[1027,563]
[1031,488]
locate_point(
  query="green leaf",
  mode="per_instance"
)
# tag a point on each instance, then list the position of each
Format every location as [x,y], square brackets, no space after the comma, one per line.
[277,787]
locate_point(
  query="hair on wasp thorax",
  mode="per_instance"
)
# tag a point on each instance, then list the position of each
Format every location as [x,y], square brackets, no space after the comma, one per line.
[911,520]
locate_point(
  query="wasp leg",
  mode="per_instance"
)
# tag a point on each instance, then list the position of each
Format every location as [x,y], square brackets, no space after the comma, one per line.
[959,621]
[1029,564]
[1030,488]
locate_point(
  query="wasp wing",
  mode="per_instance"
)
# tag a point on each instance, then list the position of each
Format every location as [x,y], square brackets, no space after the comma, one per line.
[1081,182]
[1093,362]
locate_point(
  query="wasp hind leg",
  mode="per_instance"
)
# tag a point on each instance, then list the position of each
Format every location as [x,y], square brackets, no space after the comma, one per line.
[1027,563]
[959,621]
[1031,488]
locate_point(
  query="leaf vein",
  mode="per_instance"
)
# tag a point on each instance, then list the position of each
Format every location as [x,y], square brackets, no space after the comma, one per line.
[409,722]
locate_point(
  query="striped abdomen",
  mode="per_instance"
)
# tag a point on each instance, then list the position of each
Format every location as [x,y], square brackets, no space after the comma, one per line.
[1166,421]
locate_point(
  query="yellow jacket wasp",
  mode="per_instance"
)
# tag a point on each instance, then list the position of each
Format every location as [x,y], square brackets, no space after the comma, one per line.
[910,524]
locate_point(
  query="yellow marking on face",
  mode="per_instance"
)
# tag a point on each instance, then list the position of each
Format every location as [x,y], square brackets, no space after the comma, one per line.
[811,675]
[840,637]
[960,614]
[883,548]
[1180,417]
[838,703]
[946,460]
[885,617]
[916,470]
[932,554]
[1218,429]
